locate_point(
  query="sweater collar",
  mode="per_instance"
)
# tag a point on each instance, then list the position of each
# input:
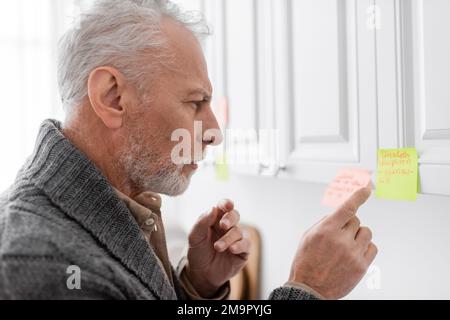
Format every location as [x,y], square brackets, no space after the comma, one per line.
[75,185]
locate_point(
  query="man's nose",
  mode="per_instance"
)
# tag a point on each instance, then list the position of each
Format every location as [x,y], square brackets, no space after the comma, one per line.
[212,135]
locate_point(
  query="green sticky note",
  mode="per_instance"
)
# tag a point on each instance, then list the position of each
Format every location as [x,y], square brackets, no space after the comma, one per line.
[397,174]
[222,172]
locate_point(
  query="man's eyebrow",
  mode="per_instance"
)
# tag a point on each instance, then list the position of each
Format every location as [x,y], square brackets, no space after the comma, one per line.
[202,92]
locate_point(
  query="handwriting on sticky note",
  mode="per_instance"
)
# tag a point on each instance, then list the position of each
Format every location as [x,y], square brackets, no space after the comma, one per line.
[344,185]
[397,174]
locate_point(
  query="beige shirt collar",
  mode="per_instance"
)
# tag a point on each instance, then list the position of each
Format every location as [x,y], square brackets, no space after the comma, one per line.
[145,209]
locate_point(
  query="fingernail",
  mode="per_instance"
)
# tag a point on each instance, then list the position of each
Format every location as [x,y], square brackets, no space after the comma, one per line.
[220,245]
[226,223]
[226,204]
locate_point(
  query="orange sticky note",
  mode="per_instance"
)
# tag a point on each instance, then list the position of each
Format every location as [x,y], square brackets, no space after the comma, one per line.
[344,185]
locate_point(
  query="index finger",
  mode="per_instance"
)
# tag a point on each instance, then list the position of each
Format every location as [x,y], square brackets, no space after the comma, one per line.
[223,207]
[342,215]
[226,205]
[230,219]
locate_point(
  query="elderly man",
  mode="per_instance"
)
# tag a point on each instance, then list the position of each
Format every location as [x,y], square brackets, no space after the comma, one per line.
[83,219]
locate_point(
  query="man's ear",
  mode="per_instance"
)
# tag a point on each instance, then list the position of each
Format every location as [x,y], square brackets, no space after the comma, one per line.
[105,89]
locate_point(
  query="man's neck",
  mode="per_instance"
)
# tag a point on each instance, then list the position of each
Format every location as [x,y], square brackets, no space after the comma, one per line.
[97,145]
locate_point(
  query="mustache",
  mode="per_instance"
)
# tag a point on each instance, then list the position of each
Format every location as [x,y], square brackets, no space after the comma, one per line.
[189,159]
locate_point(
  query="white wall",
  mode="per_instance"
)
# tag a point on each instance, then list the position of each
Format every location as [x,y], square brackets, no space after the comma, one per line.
[29,31]
[413,238]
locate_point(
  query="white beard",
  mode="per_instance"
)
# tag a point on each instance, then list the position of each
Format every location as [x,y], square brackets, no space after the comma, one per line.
[167,178]
[167,181]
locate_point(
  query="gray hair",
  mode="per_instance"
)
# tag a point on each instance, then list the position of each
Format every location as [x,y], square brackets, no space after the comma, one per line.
[118,33]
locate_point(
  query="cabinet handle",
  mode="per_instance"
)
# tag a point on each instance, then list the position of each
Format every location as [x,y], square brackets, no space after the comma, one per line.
[281,168]
[275,169]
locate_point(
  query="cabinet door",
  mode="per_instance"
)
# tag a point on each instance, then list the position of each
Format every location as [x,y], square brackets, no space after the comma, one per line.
[241,84]
[241,61]
[231,55]
[268,133]
[327,104]
[429,92]
[413,59]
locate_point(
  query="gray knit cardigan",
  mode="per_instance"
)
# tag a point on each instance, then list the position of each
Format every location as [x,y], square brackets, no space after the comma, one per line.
[61,215]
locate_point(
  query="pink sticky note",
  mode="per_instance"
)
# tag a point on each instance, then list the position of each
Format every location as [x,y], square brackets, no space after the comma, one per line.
[222,110]
[344,185]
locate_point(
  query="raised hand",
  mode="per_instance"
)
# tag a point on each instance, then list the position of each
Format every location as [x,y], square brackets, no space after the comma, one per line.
[218,249]
[335,253]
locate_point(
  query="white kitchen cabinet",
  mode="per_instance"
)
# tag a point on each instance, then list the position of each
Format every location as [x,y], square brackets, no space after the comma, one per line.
[241,50]
[413,81]
[329,121]
[233,58]
[338,79]
[296,67]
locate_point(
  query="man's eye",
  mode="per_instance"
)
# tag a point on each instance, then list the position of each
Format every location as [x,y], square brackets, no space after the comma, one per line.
[197,104]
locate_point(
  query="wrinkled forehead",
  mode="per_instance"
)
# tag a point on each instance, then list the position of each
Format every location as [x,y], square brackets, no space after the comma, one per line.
[187,59]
